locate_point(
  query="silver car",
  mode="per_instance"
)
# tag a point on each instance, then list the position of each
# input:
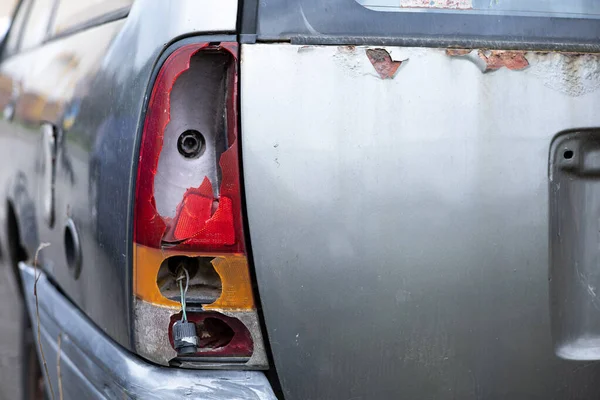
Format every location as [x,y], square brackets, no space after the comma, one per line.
[300,199]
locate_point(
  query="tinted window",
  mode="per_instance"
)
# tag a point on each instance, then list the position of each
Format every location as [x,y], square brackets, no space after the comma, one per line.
[36,28]
[559,8]
[71,13]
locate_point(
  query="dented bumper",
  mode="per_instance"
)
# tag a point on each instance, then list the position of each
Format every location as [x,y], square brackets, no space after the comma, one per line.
[91,365]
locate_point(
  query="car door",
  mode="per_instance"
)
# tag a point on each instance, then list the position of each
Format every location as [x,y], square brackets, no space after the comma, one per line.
[20,374]
[48,66]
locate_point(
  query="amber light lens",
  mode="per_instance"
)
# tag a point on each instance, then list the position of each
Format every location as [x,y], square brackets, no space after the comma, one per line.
[232,269]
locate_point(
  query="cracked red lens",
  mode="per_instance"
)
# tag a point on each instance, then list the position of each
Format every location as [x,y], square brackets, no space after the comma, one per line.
[203,221]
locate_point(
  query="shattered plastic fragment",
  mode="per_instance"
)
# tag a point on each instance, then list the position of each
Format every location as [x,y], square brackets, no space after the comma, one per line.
[194,211]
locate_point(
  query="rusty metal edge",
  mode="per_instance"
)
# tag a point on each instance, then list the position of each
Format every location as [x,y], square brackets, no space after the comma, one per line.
[447,42]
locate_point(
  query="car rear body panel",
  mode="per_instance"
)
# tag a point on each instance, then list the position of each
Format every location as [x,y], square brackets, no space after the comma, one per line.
[397,197]
[399,219]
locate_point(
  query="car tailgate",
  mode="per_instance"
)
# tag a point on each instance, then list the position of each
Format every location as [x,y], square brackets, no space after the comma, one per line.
[397,202]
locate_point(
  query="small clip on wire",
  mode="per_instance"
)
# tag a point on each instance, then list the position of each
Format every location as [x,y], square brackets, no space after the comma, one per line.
[184,332]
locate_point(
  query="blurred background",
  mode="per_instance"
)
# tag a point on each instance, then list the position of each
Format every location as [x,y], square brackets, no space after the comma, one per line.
[6,9]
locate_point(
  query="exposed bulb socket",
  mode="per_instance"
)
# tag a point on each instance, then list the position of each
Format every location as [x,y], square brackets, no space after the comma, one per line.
[191,143]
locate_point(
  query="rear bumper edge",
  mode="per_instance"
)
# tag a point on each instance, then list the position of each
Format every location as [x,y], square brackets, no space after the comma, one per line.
[93,366]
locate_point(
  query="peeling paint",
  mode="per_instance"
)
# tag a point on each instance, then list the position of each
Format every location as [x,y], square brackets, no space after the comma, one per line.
[347,49]
[457,52]
[496,59]
[383,63]
[492,60]
[452,4]
[347,57]
[573,74]
[469,55]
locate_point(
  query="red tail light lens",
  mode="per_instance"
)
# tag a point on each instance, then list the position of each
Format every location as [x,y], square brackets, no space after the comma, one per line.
[188,210]
[197,225]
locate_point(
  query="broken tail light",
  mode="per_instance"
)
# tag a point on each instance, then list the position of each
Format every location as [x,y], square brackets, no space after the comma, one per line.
[188,214]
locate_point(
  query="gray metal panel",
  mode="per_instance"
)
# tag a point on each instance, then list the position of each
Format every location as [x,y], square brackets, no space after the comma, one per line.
[399,226]
[92,85]
[93,366]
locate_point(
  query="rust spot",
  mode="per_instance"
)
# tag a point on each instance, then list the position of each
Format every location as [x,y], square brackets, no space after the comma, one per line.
[383,63]
[305,49]
[496,59]
[457,52]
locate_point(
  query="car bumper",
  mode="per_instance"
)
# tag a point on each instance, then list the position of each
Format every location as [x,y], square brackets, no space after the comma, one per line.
[90,365]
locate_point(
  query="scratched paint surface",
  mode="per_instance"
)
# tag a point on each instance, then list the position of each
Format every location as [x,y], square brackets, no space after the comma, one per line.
[587,8]
[459,4]
[574,74]
[404,240]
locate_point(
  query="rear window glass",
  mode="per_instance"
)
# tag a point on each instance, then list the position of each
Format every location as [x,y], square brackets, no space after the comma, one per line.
[551,8]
